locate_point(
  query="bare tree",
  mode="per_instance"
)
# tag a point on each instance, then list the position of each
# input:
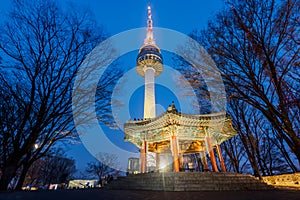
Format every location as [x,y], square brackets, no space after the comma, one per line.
[42,47]
[194,78]
[235,157]
[55,167]
[107,165]
[256,47]
[257,141]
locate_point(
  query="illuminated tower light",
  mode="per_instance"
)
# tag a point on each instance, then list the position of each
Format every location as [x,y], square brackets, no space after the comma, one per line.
[149,65]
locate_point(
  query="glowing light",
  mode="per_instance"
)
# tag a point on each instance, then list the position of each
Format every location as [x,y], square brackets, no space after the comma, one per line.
[163,165]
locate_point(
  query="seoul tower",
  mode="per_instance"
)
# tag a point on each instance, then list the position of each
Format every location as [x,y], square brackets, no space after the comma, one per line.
[149,64]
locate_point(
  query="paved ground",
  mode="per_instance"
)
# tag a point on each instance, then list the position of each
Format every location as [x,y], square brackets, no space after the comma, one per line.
[88,194]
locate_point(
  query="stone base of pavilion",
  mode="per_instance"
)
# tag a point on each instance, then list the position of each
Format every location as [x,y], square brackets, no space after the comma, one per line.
[189,181]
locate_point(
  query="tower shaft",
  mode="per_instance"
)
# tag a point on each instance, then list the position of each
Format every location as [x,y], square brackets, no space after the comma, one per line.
[149,97]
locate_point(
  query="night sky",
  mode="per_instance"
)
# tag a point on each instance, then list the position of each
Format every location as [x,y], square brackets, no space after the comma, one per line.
[118,16]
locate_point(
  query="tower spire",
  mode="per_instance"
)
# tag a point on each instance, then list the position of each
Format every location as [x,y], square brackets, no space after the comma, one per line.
[149,36]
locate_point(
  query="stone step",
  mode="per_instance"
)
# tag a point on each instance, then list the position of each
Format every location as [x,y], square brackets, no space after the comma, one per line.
[190,183]
[185,181]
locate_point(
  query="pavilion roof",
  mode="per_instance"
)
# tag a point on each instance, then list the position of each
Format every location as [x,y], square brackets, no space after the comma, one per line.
[184,126]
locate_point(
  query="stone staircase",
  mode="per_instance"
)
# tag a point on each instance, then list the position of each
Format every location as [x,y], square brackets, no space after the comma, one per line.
[189,181]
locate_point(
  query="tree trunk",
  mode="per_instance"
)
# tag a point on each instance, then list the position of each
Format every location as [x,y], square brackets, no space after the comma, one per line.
[251,155]
[287,158]
[8,173]
[22,177]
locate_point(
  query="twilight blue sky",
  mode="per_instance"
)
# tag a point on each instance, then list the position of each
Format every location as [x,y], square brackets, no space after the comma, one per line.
[117,16]
[182,16]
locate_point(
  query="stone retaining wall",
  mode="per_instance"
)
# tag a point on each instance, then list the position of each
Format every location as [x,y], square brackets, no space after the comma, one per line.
[286,180]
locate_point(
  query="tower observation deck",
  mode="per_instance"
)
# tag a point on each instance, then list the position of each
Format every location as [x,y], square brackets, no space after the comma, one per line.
[149,64]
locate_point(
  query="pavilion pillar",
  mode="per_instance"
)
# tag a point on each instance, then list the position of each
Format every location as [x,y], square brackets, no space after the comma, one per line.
[181,161]
[204,161]
[221,158]
[157,161]
[175,153]
[211,154]
[143,157]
